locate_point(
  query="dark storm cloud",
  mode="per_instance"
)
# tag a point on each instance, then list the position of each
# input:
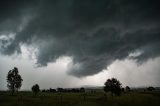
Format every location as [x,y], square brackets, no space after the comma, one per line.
[94,33]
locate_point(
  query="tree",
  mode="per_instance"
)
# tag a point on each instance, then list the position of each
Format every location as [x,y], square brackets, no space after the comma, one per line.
[14,80]
[128,88]
[82,90]
[35,89]
[150,88]
[113,85]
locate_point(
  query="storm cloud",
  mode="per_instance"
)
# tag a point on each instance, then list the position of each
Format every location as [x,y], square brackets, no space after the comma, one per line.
[94,33]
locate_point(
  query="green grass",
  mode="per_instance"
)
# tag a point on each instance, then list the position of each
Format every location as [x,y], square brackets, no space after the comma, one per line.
[77,99]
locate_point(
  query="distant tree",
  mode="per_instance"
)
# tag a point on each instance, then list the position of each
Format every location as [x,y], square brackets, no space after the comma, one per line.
[113,85]
[35,89]
[43,90]
[127,88]
[52,90]
[122,89]
[150,88]
[60,90]
[82,89]
[14,80]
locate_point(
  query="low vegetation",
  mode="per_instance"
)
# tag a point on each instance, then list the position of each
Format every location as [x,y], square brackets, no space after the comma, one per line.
[80,99]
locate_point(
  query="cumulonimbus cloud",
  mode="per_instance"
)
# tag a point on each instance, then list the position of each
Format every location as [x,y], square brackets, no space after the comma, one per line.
[94,33]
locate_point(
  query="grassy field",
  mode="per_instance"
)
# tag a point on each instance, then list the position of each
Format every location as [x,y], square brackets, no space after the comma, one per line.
[80,99]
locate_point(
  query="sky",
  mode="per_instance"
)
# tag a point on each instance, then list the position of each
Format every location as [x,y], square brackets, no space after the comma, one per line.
[74,43]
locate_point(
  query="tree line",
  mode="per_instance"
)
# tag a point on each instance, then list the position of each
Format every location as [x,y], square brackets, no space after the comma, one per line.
[14,83]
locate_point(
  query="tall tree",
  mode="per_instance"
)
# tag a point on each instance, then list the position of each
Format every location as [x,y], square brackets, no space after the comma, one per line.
[14,80]
[113,85]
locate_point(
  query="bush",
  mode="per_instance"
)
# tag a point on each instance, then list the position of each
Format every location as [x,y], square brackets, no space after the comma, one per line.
[35,89]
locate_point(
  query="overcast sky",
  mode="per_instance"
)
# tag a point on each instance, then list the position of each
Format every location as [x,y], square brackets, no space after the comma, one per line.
[72,43]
